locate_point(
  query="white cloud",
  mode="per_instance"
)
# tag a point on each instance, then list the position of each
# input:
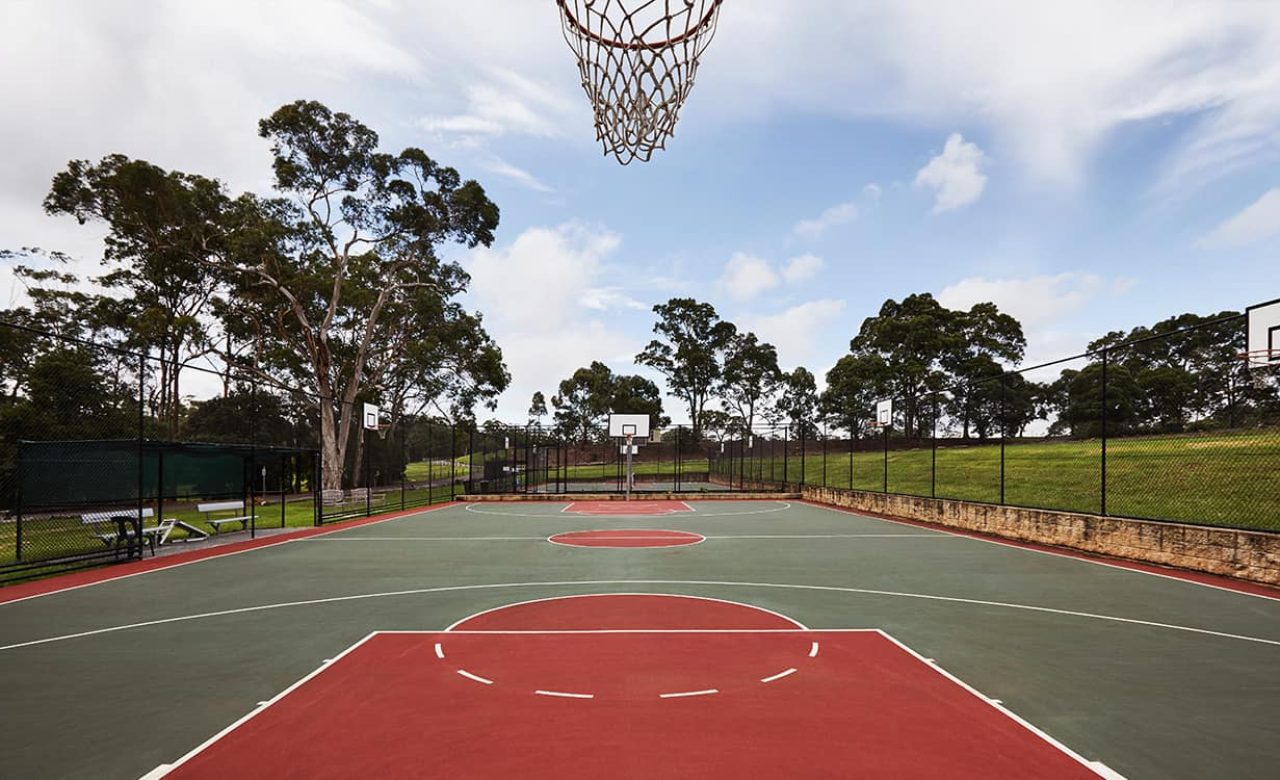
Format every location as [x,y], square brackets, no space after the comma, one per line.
[1258,220]
[802,268]
[1034,301]
[796,331]
[839,214]
[506,103]
[746,276]
[955,175]
[871,192]
[1053,309]
[519,175]
[541,298]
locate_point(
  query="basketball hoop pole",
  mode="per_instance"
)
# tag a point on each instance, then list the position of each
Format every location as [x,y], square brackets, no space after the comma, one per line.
[630,476]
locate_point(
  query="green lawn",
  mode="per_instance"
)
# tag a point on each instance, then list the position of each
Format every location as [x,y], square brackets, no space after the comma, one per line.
[1226,479]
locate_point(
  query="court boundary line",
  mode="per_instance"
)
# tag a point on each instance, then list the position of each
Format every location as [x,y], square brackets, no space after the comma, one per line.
[558,533]
[703,583]
[785,505]
[234,548]
[1100,559]
[928,665]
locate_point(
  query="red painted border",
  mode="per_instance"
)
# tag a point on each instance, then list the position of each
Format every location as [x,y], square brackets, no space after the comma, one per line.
[106,573]
[1202,578]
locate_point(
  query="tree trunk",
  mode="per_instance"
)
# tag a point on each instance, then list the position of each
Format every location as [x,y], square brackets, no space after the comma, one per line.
[333,454]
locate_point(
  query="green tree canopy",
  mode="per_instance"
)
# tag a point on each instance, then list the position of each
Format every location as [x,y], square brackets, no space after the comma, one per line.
[688,352]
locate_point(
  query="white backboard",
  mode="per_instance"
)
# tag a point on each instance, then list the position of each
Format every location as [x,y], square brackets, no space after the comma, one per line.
[1264,333]
[635,425]
[370,417]
[884,412]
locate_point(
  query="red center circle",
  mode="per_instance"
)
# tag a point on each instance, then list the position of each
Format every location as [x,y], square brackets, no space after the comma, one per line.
[627,537]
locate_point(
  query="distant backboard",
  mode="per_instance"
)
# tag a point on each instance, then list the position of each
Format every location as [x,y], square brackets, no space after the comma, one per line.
[1264,334]
[634,425]
[884,413]
[369,419]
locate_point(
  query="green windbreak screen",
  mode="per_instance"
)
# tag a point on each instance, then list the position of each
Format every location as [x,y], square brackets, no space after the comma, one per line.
[77,473]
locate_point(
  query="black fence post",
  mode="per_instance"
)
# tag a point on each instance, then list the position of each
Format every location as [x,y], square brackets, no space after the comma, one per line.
[786,452]
[368,485]
[142,479]
[317,507]
[824,453]
[933,453]
[453,460]
[404,461]
[17,515]
[253,459]
[284,495]
[1102,495]
[885,485]
[471,458]
[1004,421]
[802,454]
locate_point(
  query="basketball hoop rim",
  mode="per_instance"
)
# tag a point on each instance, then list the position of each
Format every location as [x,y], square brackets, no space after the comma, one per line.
[1261,357]
[637,46]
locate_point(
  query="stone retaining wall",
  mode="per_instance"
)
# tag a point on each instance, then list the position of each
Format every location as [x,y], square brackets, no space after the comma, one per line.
[1247,555]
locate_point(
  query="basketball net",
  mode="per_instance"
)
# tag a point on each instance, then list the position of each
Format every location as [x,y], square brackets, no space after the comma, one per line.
[637,59]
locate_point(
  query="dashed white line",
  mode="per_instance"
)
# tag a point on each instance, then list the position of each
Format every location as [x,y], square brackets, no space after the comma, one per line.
[566,695]
[687,693]
[813,650]
[475,677]
[778,676]
[439,651]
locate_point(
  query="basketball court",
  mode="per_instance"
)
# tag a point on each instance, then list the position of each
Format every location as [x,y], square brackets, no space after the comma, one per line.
[712,638]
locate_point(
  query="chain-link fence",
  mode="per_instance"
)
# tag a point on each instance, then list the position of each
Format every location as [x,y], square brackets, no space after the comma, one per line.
[109,454]
[1173,427]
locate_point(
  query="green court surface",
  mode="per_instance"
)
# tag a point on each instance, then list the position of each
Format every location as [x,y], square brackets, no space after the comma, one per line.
[1152,676]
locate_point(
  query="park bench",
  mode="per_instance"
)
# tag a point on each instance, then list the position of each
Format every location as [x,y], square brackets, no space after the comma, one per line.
[363,496]
[234,507]
[116,527]
[356,498]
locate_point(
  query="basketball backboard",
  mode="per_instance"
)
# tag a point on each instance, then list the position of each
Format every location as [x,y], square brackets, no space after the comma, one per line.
[369,419]
[884,413]
[634,425]
[1263,323]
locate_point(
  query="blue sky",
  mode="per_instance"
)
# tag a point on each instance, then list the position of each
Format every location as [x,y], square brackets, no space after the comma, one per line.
[1087,166]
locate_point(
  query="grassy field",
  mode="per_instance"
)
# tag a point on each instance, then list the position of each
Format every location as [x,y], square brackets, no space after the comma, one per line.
[1226,479]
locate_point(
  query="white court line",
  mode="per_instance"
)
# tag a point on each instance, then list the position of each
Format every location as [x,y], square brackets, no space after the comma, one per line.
[681,694]
[779,675]
[782,507]
[571,631]
[263,707]
[439,651]
[787,618]
[567,695]
[996,704]
[475,677]
[592,530]
[813,651]
[409,513]
[696,583]
[1083,556]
